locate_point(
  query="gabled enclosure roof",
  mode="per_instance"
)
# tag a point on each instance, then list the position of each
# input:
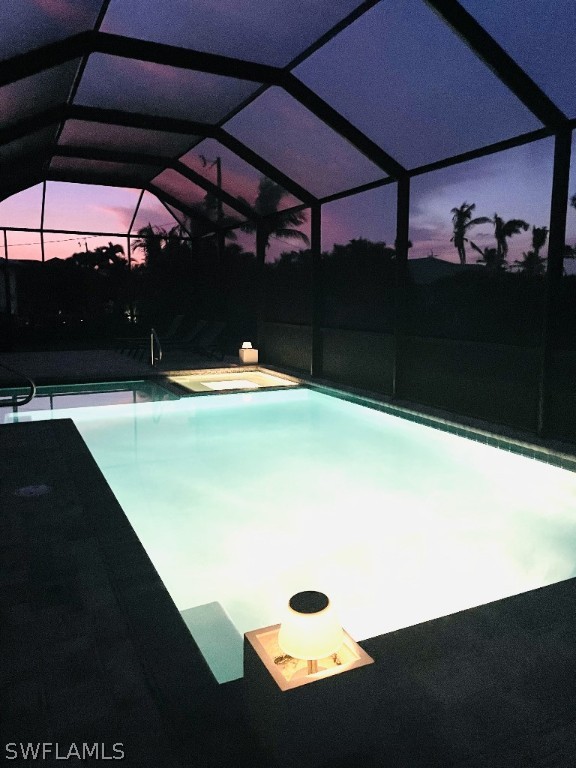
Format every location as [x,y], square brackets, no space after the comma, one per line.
[323,96]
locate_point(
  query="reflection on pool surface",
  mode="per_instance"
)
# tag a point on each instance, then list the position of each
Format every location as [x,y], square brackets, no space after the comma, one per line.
[85,395]
[242,500]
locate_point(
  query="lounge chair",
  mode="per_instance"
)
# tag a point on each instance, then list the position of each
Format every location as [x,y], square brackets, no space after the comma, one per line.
[173,329]
[188,338]
[133,346]
[210,340]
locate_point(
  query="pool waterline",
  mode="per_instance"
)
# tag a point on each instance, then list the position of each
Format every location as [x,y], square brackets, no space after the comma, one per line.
[398,522]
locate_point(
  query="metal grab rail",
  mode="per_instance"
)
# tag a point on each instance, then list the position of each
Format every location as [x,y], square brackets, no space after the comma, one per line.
[154,338]
[13,401]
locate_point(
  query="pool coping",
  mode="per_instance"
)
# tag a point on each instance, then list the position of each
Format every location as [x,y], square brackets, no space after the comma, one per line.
[183,391]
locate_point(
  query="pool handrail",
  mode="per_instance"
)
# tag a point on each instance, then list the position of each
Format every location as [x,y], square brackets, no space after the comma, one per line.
[13,401]
[154,338]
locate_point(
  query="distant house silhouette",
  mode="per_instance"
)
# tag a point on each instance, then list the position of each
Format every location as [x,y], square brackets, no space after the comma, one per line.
[429,269]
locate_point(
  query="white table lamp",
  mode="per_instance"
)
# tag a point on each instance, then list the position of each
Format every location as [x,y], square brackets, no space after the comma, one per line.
[310,630]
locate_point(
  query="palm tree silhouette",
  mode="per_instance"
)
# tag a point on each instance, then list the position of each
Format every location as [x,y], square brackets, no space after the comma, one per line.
[533,263]
[276,223]
[490,256]
[151,241]
[504,230]
[462,221]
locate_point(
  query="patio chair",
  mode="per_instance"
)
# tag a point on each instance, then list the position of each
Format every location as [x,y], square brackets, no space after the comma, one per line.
[133,344]
[210,341]
[173,329]
[187,338]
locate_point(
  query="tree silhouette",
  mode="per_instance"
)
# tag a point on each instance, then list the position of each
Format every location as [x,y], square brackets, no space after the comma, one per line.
[211,210]
[533,263]
[276,223]
[151,241]
[491,257]
[462,222]
[504,230]
[101,258]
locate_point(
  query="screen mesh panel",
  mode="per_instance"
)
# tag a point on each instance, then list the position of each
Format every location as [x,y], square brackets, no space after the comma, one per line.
[298,143]
[271,32]
[29,24]
[81,133]
[152,212]
[540,37]
[101,172]
[22,209]
[157,89]
[29,148]
[238,177]
[192,196]
[24,246]
[419,101]
[89,207]
[32,95]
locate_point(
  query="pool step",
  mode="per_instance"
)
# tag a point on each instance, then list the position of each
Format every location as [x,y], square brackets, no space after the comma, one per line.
[218,639]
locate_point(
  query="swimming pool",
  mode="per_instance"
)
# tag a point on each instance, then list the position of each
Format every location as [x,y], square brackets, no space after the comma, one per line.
[242,500]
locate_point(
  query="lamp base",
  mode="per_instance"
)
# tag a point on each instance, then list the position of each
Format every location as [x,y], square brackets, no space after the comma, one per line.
[248,356]
[289,672]
[307,672]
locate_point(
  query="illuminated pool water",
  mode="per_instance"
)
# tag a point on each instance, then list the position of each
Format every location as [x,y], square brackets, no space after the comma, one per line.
[242,500]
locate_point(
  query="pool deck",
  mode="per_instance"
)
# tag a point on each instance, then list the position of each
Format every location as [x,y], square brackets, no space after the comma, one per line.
[93,649]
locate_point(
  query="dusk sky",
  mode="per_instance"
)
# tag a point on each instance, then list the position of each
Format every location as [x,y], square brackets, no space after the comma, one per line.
[418,108]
